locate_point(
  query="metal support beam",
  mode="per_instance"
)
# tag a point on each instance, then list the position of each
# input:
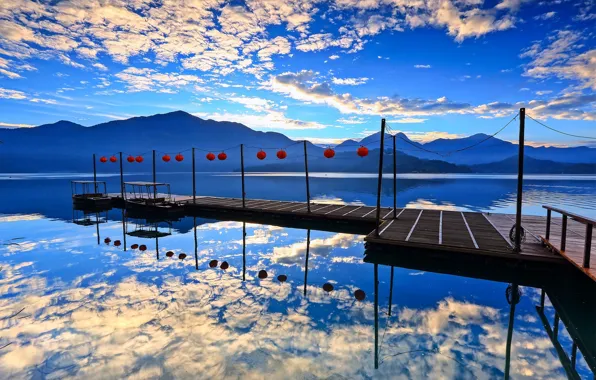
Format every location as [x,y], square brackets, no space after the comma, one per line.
[380,182]
[520,179]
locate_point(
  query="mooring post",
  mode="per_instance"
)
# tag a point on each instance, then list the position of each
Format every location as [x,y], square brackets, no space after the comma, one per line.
[394,182]
[380,175]
[242,171]
[376,284]
[307,182]
[121,181]
[306,261]
[154,178]
[94,175]
[520,179]
[194,180]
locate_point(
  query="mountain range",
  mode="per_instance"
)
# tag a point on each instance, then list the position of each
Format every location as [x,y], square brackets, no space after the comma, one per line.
[65,146]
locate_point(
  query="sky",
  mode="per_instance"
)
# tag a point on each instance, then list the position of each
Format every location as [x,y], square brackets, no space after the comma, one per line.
[325,71]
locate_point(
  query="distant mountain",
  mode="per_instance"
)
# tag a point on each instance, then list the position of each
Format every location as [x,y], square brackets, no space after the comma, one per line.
[533,166]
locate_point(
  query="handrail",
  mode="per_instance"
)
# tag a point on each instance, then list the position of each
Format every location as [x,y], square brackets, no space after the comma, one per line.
[581,219]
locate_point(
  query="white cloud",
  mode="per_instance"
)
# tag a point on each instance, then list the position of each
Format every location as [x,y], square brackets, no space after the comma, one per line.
[408,120]
[544,92]
[422,66]
[100,66]
[352,120]
[12,125]
[333,57]
[349,81]
[11,94]
[545,16]
[272,119]
[145,79]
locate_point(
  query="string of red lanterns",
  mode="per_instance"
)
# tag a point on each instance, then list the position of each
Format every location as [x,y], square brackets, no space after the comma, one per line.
[261,155]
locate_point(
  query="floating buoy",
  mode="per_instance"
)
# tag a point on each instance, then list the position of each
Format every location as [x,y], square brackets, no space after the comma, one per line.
[139,159]
[134,246]
[169,253]
[222,156]
[281,154]
[143,247]
[360,295]
[182,256]
[179,157]
[107,240]
[362,151]
[212,263]
[130,159]
[224,265]
[282,278]
[113,159]
[329,153]
[327,287]
[166,158]
[117,243]
[210,156]
[262,274]
[103,159]
[261,155]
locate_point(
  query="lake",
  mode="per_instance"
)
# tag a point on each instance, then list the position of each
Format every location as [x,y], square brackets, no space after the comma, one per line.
[75,303]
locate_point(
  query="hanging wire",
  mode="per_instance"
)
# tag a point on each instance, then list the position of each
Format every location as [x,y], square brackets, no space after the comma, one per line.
[561,132]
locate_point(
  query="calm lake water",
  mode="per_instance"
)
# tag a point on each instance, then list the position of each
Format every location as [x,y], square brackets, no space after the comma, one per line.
[73,305]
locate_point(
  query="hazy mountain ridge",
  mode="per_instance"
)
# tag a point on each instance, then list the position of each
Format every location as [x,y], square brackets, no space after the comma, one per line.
[67,146]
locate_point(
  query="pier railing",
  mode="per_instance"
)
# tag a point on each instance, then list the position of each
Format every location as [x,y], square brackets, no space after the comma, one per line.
[589,223]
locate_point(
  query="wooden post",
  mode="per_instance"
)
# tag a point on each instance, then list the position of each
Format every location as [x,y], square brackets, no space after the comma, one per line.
[307,182]
[564,233]
[548,218]
[306,261]
[154,179]
[510,331]
[588,245]
[242,171]
[390,291]
[376,316]
[122,183]
[94,175]
[520,179]
[380,184]
[394,182]
[194,181]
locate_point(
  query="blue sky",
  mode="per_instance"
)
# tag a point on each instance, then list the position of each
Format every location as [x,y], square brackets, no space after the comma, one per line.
[326,71]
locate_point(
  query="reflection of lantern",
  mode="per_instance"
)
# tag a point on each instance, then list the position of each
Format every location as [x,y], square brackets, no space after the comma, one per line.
[117,243]
[224,265]
[282,278]
[327,287]
[139,159]
[210,156]
[362,151]
[281,154]
[134,246]
[103,159]
[107,240]
[143,247]
[166,158]
[179,157]
[212,263]
[329,153]
[261,155]
[360,295]
[113,159]
[262,274]
[222,156]
[169,253]
[130,159]
[182,256]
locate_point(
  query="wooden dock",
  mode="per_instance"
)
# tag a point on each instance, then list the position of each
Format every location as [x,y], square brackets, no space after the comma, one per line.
[407,230]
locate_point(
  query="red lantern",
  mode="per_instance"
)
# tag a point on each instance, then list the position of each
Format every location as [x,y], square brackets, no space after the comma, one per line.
[210,156]
[212,263]
[182,256]
[281,154]
[222,156]
[262,274]
[261,155]
[103,159]
[359,295]
[107,240]
[143,247]
[113,159]
[117,243]
[134,246]
[282,278]
[329,153]
[224,265]
[166,158]
[169,253]
[327,287]
[130,159]
[139,159]
[179,157]
[362,151]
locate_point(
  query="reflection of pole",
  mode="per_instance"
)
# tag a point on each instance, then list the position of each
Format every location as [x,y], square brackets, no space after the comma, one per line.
[121,179]
[94,175]
[124,229]
[194,181]
[307,182]
[390,291]
[394,183]
[97,226]
[376,316]
[380,175]
[520,179]
[156,242]
[243,251]
[306,262]
[194,220]
[514,300]
[242,170]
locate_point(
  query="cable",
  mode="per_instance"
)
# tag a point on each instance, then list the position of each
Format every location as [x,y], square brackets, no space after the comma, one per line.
[561,132]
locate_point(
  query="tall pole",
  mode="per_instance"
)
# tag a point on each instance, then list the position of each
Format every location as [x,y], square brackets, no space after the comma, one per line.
[194,220]
[520,179]
[242,170]
[376,316]
[156,242]
[97,226]
[154,178]
[243,251]
[380,175]
[94,175]
[194,181]
[306,262]
[121,182]
[307,182]
[394,183]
